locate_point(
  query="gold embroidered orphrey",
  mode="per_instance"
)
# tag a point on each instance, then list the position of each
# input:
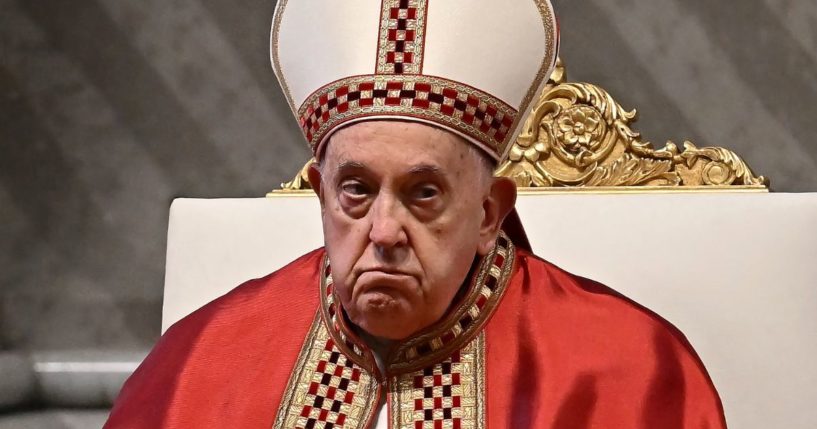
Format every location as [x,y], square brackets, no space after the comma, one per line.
[578,137]
[401,38]
[326,387]
[436,379]
[469,110]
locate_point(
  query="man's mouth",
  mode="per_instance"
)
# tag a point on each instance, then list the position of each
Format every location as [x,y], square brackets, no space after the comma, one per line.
[382,279]
[385,270]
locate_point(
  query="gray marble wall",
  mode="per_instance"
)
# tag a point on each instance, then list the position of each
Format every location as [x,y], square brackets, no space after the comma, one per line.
[111,108]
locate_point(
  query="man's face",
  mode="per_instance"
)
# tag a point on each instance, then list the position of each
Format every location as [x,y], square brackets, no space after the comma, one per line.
[405,207]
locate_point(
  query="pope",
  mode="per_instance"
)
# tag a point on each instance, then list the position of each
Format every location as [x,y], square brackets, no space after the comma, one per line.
[426,307]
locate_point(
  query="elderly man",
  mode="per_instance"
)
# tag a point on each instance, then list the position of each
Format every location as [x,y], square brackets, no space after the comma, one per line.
[426,309]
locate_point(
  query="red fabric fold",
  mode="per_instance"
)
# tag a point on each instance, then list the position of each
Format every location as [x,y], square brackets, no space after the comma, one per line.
[561,352]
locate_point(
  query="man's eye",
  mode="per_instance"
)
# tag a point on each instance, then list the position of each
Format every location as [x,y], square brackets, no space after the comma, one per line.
[354,188]
[426,192]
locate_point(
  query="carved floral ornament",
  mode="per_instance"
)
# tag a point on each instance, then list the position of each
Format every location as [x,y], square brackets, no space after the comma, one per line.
[578,136]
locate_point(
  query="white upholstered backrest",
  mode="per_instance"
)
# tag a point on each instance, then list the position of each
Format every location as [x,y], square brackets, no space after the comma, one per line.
[736,272]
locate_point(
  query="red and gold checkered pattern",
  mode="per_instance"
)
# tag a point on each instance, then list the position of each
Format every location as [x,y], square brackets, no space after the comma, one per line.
[435,380]
[444,395]
[329,395]
[327,389]
[437,396]
[402,28]
[344,339]
[475,114]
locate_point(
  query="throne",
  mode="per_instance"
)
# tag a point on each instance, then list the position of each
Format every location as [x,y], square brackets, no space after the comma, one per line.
[692,233]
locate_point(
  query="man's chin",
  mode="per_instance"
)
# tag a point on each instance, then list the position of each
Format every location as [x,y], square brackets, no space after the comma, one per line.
[384,315]
[381,300]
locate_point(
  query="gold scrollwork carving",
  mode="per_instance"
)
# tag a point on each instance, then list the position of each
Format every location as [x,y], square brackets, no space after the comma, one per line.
[578,136]
[301,181]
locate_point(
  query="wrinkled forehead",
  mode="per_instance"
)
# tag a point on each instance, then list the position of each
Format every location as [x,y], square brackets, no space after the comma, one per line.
[389,137]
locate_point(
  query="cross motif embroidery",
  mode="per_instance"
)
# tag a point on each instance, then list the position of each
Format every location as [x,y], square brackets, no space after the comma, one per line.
[445,395]
[402,28]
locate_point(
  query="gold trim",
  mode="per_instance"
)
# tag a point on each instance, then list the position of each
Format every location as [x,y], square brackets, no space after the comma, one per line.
[433,113]
[282,419]
[346,340]
[276,62]
[297,396]
[302,188]
[417,46]
[577,135]
[640,190]
[306,192]
[301,180]
[470,391]
[480,391]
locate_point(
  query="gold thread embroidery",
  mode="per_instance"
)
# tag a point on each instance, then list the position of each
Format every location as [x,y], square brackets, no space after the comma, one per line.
[449,394]
[401,37]
[466,109]
[276,62]
[344,338]
[326,387]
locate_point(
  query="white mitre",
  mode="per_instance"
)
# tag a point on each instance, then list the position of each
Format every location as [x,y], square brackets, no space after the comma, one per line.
[472,67]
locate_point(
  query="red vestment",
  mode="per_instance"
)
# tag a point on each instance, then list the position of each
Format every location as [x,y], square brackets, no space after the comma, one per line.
[529,346]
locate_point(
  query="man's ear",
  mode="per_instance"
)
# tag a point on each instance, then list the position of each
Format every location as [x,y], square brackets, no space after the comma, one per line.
[314,174]
[500,201]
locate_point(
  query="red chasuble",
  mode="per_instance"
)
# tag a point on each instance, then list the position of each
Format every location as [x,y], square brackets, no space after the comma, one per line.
[526,346]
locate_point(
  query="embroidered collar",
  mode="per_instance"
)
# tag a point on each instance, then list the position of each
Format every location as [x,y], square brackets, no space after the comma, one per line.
[437,342]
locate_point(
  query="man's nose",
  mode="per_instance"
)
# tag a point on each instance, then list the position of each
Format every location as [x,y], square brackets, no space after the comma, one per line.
[387,217]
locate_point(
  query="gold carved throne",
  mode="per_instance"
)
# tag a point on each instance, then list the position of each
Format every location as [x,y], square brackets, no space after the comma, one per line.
[578,137]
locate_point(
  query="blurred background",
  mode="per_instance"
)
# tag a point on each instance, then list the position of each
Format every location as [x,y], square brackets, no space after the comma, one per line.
[109,109]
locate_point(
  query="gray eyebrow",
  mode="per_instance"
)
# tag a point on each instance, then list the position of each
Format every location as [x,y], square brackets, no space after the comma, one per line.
[426,168]
[349,165]
[417,169]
